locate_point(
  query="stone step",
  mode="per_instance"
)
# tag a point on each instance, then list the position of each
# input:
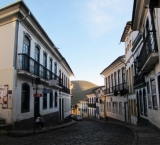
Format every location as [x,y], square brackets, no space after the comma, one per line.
[2,121]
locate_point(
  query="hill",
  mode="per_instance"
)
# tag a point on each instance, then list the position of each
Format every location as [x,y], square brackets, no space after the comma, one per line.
[80,89]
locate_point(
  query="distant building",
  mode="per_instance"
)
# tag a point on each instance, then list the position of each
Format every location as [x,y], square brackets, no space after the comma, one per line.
[94,105]
[29,57]
[79,101]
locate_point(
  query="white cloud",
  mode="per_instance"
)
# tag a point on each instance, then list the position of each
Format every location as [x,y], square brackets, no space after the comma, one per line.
[100,15]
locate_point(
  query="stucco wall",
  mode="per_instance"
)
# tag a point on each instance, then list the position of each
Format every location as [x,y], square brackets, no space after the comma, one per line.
[7,37]
[17,106]
[116,115]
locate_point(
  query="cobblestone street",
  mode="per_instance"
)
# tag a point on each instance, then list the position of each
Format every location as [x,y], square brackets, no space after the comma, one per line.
[82,133]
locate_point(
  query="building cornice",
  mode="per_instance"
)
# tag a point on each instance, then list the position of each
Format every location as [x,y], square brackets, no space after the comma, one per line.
[126,31]
[117,61]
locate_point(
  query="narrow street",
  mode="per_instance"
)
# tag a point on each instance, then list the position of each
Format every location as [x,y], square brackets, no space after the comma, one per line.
[82,133]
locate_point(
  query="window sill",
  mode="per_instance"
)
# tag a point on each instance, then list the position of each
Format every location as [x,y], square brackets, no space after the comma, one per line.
[25,111]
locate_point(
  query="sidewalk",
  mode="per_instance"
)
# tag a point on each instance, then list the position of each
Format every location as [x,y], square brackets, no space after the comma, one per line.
[23,133]
[142,135]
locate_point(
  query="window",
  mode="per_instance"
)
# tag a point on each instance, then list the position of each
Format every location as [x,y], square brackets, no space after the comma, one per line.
[56,100]
[45,65]
[119,77]
[26,45]
[109,81]
[36,63]
[59,73]
[123,75]
[55,68]
[50,64]
[116,107]
[25,98]
[141,103]
[66,82]
[106,82]
[154,96]
[64,79]
[109,107]
[132,69]
[145,102]
[112,80]
[26,51]
[36,54]
[50,68]
[120,108]
[51,100]
[44,100]
[113,107]
[135,112]
[44,60]
[115,79]
[149,96]
[60,81]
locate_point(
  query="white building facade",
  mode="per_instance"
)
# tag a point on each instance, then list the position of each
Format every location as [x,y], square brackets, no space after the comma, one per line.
[145,20]
[28,56]
[91,105]
[128,37]
[115,93]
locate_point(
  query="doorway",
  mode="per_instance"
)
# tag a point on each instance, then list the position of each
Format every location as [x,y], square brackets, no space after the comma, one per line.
[126,111]
[60,113]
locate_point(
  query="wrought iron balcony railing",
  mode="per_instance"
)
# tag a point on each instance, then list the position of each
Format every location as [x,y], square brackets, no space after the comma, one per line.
[149,47]
[138,81]
[30,65]
[65,90]
[115,88]
[92,105]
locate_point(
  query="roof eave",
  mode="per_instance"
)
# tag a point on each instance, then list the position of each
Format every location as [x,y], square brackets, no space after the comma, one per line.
[126,30]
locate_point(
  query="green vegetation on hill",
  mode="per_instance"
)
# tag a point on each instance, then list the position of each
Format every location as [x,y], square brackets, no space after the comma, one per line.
[81,89]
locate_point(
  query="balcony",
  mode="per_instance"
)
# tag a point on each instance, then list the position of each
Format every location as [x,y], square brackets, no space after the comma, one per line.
[65,90]
[92,105]
[117,88]
[29,67]
[139,81]
[149,54]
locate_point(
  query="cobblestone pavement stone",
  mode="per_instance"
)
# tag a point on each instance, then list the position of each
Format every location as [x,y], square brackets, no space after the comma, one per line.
[82,133]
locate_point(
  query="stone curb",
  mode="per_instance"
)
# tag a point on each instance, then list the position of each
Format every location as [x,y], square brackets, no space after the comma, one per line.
[134,132]
[29,133]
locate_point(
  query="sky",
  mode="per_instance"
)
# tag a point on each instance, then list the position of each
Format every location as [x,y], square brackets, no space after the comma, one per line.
[87,32]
